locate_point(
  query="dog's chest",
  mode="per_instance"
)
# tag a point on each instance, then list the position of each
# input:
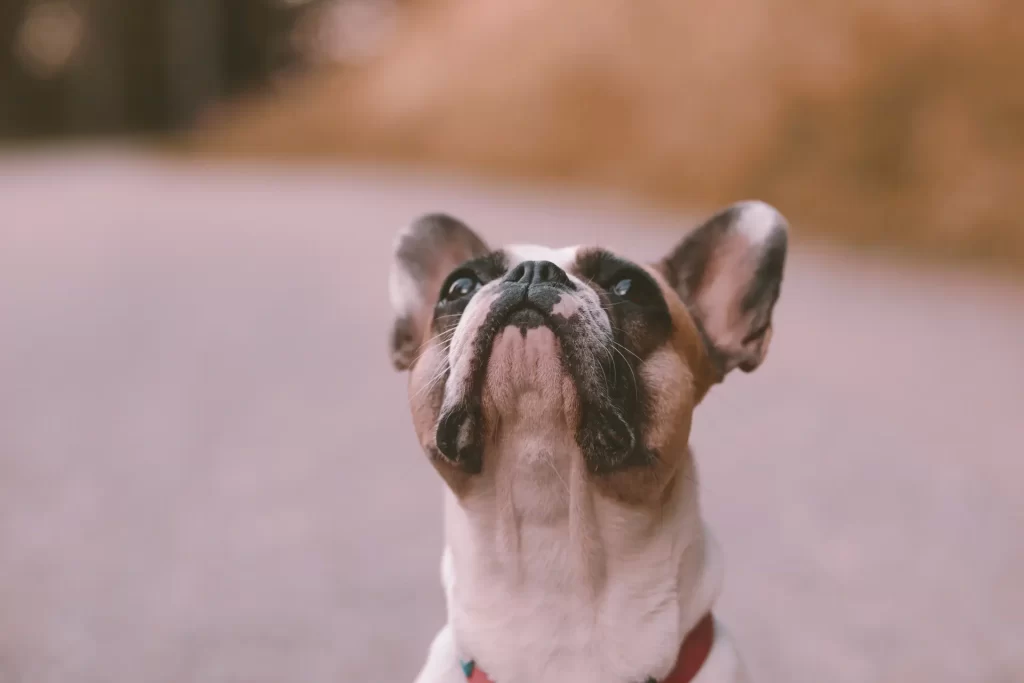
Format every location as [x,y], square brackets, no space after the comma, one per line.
[547,599]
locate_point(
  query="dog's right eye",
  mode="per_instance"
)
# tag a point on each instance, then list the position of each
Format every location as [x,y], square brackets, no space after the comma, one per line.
[459,285]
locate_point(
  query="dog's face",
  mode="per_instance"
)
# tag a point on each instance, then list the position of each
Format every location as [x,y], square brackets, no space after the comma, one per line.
[615,353]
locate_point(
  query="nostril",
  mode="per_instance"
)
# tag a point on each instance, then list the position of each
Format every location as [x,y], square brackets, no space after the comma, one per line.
[537,272]
[522,273]
[546,271]
[542,272]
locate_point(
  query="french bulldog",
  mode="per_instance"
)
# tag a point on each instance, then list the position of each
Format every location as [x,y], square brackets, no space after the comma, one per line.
[553,390]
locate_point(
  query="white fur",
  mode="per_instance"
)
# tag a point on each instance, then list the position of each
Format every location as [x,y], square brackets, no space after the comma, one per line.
[758,221]
[546,581]
[566,306]
[563,258]
[459,352]
[618,615]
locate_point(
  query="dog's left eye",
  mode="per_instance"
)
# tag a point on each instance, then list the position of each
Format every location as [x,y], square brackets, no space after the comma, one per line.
[622,287]
[631,286]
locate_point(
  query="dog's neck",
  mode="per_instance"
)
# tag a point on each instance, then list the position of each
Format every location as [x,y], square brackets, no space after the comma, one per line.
[549,581]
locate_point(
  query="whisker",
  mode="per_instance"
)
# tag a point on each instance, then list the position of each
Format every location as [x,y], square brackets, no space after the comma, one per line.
[433,381]
[615,371]
[636,387]
[559,475]
[423,348]
[438,336]
[627,350]
[611,361]
[444,369]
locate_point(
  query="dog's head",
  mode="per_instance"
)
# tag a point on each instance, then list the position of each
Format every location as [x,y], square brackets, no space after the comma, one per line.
[616,352]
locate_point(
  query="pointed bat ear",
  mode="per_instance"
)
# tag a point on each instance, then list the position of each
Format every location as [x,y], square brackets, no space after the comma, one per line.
[729,273]
[425,253]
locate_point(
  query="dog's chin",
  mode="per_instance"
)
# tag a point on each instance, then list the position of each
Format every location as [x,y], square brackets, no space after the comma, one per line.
[522,377]
[525,365]
[526,381]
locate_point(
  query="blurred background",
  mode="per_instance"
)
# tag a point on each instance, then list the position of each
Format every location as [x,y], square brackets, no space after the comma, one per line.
[207,471]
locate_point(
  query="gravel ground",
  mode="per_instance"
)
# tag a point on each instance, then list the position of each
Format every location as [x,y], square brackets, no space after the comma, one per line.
[208,473]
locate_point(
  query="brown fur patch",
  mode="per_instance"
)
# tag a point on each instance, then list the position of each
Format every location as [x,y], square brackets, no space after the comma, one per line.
[687,340]
[676,376]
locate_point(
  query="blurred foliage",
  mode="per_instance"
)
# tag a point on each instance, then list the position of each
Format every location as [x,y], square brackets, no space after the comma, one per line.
[95,67]
[880,121]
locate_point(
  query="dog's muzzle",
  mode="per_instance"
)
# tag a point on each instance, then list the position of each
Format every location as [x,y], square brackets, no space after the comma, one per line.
[535,294]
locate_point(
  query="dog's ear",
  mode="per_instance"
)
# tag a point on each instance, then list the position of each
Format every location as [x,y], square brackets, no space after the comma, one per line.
[425,253]
[728,272]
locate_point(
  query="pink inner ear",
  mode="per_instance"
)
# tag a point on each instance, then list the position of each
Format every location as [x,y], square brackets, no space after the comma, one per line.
[729,272]
[728,276]
[425,252]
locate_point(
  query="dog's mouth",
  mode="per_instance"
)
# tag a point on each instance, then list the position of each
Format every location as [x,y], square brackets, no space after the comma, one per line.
[526,317]
[603,429]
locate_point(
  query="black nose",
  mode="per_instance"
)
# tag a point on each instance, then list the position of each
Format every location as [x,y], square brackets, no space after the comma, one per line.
[537,272]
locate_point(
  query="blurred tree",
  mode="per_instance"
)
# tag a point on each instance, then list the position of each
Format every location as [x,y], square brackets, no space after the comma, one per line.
[75,67]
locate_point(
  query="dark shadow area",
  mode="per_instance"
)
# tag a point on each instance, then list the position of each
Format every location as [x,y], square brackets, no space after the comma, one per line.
[103,67]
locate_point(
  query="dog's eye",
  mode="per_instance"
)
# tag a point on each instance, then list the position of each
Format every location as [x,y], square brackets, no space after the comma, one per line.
[461,286]
[632,286]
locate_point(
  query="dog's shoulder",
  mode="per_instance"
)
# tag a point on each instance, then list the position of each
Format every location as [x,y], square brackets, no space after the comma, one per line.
[723,664]
[442,665]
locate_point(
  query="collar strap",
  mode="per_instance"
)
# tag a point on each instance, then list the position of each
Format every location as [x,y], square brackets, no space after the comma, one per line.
[692,655]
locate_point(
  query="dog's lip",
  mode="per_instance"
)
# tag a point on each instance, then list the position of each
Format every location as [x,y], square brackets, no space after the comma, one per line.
[606,436]
[505,316]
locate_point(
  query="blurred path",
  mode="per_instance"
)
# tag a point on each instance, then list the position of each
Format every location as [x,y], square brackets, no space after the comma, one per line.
[207,471]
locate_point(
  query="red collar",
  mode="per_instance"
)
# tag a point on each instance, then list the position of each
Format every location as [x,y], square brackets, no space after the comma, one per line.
[692,655]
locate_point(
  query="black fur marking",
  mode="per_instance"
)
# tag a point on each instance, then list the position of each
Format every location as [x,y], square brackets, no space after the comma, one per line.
[486,269]
[526,319]
[766,285]
[641,323]
[686,265]
[642,315]
[460,437]
[764,289]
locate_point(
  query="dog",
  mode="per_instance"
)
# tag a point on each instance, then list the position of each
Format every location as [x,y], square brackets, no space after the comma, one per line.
[553,390]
